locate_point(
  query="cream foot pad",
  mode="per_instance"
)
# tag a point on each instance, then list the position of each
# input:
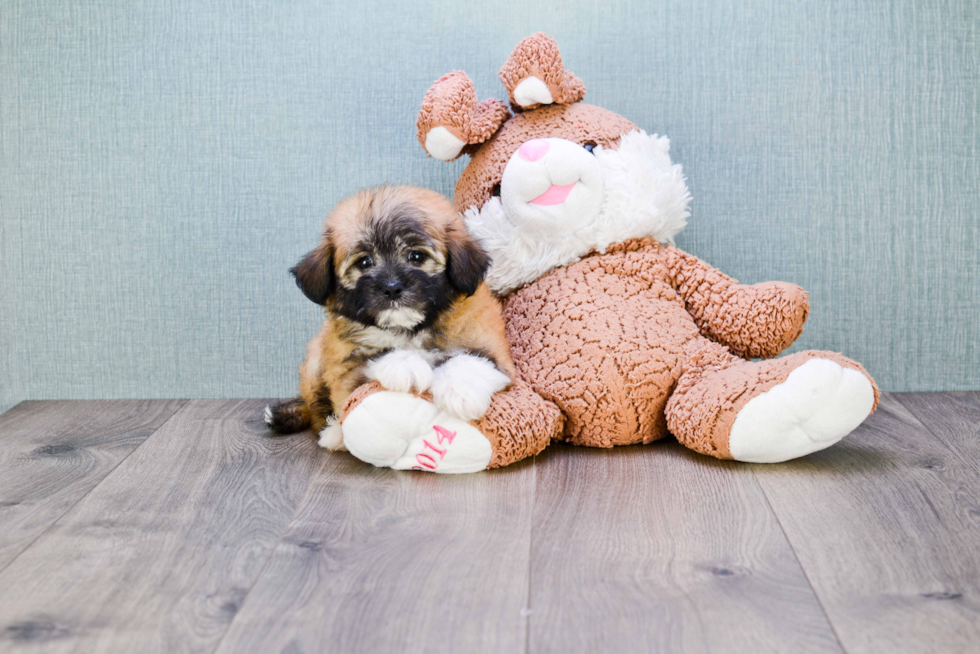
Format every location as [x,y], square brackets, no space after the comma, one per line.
[819,403]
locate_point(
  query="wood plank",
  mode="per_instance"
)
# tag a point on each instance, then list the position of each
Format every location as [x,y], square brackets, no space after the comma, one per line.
[385,561]
[658,549]
[53,453]
[887,526]
[159,556]
[953,418]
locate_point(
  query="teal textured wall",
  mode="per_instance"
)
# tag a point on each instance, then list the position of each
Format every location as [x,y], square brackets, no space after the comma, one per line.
[162,164]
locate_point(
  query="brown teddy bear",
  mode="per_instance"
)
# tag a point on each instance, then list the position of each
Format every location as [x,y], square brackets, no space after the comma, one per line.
[619,337]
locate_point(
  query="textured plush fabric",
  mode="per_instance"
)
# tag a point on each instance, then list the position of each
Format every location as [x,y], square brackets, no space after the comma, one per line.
[164,162]
[519,424]
[575,122]
[608,339]
[716,385]
[609,329]
[538,56]
[451,103]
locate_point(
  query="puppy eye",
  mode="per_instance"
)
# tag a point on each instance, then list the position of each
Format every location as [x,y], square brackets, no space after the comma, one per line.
[416,257]
[589,147]
[364,262]
[495,191]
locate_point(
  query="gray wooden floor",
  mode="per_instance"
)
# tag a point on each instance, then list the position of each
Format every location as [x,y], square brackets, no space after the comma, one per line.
[182,526]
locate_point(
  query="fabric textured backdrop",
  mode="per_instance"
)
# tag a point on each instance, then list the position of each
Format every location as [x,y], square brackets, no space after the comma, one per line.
[163,163]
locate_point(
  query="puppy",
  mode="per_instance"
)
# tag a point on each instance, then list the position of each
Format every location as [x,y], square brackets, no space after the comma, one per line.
[401,282]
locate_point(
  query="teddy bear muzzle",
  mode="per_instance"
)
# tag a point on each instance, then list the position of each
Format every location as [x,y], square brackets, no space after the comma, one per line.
[552,186]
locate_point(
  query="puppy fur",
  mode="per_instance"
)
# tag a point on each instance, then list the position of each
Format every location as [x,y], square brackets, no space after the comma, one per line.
[401,283]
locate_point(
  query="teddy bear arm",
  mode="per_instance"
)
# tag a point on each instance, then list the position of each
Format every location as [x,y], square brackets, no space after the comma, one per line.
[519,423]
[757,321]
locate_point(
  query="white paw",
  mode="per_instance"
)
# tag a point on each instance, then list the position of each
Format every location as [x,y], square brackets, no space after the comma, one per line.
[332,436]
[401,371]
[819,403]
[465,384]
[267,416]
[405,432]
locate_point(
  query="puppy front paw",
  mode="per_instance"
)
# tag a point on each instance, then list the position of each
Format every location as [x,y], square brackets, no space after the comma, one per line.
[332,436]
[401,371]
[465,384]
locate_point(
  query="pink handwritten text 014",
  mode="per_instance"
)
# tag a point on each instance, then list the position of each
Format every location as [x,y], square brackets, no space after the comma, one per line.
[426,460]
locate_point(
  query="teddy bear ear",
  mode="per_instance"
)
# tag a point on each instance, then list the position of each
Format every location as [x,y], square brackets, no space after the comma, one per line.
[451,118]
[535,75]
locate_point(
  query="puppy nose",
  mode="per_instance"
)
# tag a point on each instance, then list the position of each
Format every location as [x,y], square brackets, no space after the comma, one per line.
[534,149]
[393,289]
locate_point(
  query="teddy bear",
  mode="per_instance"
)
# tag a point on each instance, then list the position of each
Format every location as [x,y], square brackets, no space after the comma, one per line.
[619,337]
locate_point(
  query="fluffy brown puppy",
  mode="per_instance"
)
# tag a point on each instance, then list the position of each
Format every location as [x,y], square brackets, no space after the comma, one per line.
[401,282]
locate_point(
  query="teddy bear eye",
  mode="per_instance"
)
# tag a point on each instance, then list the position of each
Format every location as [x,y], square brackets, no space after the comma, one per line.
[589,147]
[495,191]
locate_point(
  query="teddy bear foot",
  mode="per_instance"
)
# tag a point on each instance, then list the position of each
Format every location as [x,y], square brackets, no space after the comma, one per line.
[406,432]
[768,411]
[819,403]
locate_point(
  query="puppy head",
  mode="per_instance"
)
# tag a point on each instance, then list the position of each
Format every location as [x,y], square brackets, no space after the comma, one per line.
[393,257]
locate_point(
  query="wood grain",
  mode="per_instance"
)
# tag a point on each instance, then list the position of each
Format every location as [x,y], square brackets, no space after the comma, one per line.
[53,453]
[385,561]
[160,555]
[655,548]
[953,418]
[887,526]
[212,536]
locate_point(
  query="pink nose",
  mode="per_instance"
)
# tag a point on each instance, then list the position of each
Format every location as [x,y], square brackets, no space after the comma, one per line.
[534,149]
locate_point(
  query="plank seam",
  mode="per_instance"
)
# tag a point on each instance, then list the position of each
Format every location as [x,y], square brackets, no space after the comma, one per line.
[796,556]
[530,560]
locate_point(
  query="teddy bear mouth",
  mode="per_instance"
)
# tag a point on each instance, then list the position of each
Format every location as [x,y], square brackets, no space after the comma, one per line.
[554,195]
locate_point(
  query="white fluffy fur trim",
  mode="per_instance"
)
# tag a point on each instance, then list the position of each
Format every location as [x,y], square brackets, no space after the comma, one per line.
[517,258]
[645,196]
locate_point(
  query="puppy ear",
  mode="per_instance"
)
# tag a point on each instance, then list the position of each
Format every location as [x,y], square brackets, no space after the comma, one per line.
[466,261]
[315,275]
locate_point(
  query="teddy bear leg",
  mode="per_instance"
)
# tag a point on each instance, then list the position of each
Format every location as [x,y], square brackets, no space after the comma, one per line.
[768,411]
[406,431]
